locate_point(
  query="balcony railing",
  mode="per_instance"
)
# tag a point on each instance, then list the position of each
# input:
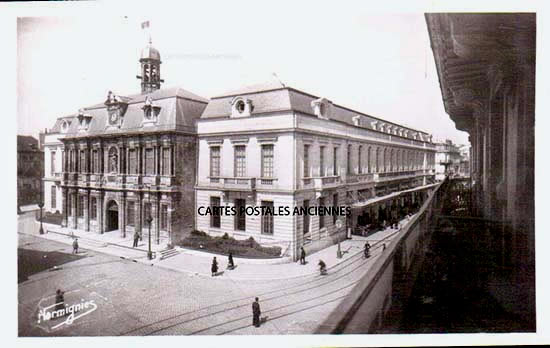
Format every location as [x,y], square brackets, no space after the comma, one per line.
[326,182]
[358,178]
[233,183]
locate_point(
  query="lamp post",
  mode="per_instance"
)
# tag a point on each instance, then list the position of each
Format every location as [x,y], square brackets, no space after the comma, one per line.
[41,206]
[149,220]
[339,226]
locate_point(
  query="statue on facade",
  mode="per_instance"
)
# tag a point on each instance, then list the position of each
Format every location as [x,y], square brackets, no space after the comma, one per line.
[113,160]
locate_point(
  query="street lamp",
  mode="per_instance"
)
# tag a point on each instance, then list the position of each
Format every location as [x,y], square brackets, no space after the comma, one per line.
[149,220]
[338,226]
[41,205]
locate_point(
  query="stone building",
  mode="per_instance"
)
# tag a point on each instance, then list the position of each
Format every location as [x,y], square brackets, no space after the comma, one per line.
[486,68]
[53,155]
[131,157]
[30,163]
[447,159]
[275,146]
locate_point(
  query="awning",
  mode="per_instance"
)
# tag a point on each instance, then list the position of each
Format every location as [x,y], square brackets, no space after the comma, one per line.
[392,195]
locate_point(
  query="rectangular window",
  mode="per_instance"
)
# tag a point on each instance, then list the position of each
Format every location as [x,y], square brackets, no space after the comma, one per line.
[82,165]
[215,218]
[267,219]
[321,214]
[131,214]
[359,162]
[240,161]
[80,207]
[164,217]
[53,191]
[306,217]
[321,161]
[335,205]
[149,161]
[93,209]
[93,166]
[240,216]
[349,171]
[215,161]
[335,162]
[267,161]
[166,161]
[52,163]
[306,161]
[132,161]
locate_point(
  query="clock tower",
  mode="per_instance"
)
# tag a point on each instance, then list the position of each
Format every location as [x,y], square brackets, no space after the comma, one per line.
[150,69]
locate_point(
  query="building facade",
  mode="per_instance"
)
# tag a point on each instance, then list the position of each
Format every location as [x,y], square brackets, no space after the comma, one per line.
[131,158]
[30,164]
[53,163]
[447,159]
[275,146]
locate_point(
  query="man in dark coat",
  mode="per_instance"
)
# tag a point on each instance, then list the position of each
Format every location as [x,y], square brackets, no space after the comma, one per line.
[230,263]
[256,313]
[136,239]
[302,256]
[214,266]
[75,246]
[59,300]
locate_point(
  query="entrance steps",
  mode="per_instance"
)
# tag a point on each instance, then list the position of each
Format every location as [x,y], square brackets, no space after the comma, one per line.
[166,253]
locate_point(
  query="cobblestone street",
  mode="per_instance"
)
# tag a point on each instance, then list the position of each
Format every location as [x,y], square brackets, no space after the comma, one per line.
[135,298]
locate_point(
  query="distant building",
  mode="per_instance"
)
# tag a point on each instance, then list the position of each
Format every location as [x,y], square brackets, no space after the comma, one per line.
[30,164]
[447,159]
[275,146]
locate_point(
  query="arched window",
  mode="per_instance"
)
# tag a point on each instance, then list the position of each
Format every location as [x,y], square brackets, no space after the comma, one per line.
[392,161]
[113,160]
[385,168]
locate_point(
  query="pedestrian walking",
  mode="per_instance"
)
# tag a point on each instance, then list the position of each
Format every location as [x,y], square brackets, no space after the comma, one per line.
[322,267]
[59,299]
[230,264]
[214,266]
[75,246]
[367,250]
[302,256]
[136,239]
[256,312]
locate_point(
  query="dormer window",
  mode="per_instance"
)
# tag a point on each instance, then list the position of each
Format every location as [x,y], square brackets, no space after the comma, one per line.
[373,124]
[84,120]
[322,108]
[65,126]
[357,120]
[150,111]
[241,107]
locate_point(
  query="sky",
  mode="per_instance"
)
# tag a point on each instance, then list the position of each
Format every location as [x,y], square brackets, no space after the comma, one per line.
[377,63]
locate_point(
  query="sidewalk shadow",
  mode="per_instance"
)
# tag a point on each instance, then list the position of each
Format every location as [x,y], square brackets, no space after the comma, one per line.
[219,273]
[231,268]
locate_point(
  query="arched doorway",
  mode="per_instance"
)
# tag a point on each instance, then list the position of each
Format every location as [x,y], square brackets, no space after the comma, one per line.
[111,216]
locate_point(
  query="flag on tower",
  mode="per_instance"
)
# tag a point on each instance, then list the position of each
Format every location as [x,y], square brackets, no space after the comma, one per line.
[145,25]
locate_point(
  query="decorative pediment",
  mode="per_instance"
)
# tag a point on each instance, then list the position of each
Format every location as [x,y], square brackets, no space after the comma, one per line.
[150,111]
[116,108]
[322,108]
[241,107]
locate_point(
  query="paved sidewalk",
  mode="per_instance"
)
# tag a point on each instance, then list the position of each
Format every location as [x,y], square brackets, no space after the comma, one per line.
[198,263]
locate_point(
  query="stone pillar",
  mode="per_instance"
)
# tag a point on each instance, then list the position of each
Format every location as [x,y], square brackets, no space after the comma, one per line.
[101,211]
[74,202]
[122,215]
[64,201]
[87,211]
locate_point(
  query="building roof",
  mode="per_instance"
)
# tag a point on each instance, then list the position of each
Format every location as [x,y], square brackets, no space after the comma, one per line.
[178,111]
[274,97]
